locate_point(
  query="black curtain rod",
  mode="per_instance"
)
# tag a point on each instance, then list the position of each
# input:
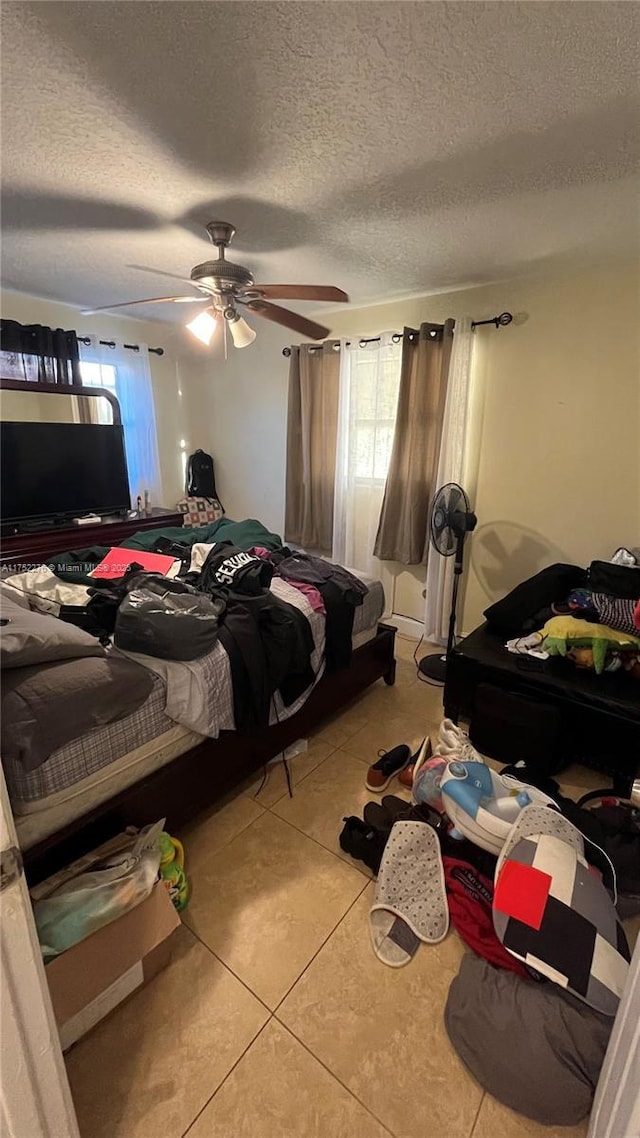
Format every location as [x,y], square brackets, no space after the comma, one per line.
[112,344]
[499,321]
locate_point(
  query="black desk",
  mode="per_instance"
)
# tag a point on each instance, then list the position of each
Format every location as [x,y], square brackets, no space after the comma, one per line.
[600,714]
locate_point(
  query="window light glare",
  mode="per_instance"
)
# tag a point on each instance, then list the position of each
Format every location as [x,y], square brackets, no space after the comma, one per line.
[203,326]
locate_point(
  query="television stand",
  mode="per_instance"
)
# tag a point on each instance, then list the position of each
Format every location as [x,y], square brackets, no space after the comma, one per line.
[35,546]
[38,526]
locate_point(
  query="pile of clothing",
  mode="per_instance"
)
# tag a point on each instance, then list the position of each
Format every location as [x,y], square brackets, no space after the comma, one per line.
[269,641]
[280,616]
[532,1008]
[596,621]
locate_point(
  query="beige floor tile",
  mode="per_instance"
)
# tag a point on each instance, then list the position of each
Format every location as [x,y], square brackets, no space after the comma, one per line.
[380,1030]
[152,1065]
[408,696]
[406,673]
[405,726]
[299,767]
[497,1121]
[417,697]
[265,902]
[214,828]
[337,730]
[340,728]
[406,647]
[278,1090]
[334,790]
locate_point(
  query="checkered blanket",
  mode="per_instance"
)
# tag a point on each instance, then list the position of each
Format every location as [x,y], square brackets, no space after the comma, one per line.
[551,910]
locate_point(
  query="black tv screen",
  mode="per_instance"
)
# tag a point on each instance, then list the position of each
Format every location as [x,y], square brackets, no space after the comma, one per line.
[53,470]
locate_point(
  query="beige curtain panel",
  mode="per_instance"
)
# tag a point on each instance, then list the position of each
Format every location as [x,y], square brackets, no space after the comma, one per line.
[312,431]
[404,518]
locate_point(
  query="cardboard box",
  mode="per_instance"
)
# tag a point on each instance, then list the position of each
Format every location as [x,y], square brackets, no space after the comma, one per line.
[90,979]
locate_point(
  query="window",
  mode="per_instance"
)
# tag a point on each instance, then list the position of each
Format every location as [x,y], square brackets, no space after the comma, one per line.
[127,374]
[375,381]
[99,375]
[369,386]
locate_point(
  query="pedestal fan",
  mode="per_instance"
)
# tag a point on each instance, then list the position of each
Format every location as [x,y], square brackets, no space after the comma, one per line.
[451,520]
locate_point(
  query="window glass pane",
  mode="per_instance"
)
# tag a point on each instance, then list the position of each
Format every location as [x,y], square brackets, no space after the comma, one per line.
[375,381]
[98,375]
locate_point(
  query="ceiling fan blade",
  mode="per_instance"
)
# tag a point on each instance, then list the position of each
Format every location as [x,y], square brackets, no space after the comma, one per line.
[162,273]
[288,319]
[149,300]
[300,292]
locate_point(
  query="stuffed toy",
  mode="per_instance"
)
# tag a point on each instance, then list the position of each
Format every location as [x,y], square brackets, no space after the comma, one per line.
[562,635]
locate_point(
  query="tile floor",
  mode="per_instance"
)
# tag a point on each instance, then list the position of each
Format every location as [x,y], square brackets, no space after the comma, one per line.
[274,1018]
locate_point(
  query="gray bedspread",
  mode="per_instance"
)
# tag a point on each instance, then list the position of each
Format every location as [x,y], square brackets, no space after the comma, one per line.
[49,705]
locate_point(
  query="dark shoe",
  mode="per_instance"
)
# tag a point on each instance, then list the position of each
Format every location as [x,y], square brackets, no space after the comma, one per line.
[363,842]
[380,818]
[389,764]
[398,810]
[423,753]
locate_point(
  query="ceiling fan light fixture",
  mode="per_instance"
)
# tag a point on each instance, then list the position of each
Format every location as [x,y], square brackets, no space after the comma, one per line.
[203,326]
[241,333]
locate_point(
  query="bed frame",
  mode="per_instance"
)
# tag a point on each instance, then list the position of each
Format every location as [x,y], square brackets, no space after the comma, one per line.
[197,779]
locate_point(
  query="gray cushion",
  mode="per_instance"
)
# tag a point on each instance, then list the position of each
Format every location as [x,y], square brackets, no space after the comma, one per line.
[533,1046]
[47,706]
[33,638]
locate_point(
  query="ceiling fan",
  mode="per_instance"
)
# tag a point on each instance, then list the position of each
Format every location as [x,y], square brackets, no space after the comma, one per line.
[227,288]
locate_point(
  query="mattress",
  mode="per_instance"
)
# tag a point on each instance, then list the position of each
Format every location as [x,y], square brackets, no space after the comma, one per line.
[103,762]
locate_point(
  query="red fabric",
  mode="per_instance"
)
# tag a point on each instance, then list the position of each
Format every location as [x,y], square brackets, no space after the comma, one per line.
[636,616]
[470,894]
[522,892]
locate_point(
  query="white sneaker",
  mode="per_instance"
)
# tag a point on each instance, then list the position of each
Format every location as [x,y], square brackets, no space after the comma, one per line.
[454,743]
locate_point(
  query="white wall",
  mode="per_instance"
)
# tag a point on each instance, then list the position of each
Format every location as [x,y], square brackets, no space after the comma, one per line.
[557,419]
[172,415]
[238,412]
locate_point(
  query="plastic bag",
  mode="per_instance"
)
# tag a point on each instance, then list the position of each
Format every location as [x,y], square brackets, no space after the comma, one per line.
[88,902]
[167,619]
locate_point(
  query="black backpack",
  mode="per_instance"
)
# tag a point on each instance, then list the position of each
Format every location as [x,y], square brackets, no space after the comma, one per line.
[201,481]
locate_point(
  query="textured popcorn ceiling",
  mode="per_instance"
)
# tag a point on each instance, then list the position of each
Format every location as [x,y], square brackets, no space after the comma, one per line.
[388,148]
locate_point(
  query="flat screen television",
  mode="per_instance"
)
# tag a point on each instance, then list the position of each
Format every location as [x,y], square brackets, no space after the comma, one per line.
[51,471]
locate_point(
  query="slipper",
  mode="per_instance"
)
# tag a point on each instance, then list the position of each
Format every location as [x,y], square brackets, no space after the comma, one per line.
[377,817]
[363,842]
[410,902]
[379,775]
[423,753]
[383,816]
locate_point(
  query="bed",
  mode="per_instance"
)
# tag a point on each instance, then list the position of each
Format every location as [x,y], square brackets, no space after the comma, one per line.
[147,765]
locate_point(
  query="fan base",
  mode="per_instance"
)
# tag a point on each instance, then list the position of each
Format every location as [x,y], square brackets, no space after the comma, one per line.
[434,667]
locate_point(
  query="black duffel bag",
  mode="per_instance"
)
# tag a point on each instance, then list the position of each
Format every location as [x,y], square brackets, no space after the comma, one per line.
[622,581]
[167,618]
